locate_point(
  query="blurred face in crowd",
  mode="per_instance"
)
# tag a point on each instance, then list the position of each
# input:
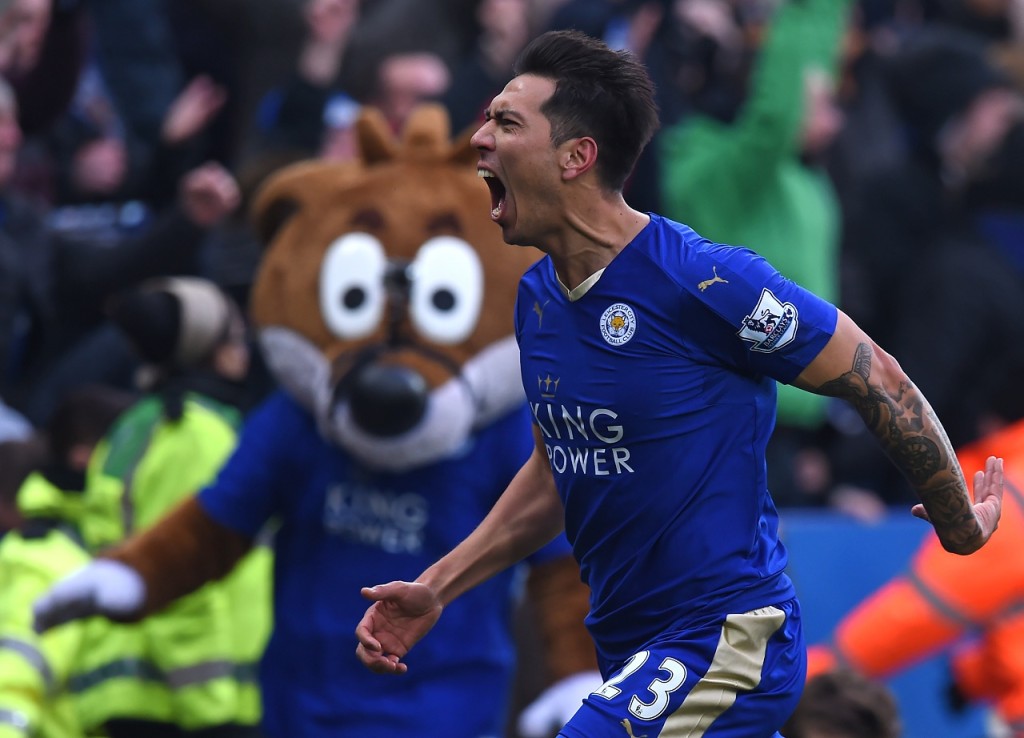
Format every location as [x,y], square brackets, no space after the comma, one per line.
[822,117]
[23,27]
[233,357]
[406,80]
[10,134]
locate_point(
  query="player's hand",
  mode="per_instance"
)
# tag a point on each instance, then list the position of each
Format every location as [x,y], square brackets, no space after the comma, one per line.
[546,715]
[988,500]
[101,587]
[401,614]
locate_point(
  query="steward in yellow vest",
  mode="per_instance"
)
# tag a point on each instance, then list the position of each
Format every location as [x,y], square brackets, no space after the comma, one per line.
[43,486]
[191,666]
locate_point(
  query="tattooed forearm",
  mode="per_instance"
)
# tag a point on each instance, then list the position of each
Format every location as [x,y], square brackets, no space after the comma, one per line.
[914,439]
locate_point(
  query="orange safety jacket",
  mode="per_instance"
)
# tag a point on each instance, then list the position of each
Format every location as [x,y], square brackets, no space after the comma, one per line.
[973,605]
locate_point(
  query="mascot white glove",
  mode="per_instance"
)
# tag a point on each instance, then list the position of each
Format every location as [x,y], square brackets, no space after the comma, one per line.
[552,709]
[101,587]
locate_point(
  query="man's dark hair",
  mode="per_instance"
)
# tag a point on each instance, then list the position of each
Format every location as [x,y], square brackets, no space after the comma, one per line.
[600,93]
[18,459]
[83,416]
[845,703]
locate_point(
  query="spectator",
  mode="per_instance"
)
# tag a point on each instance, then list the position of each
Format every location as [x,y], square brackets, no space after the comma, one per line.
[844,704]
[35,670]
[966,609]
[404,81]
[295,119]
[504,31]
[52,288]
[192,340]
[41,54]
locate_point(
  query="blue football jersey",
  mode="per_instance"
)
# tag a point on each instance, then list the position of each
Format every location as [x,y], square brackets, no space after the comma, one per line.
[655,395]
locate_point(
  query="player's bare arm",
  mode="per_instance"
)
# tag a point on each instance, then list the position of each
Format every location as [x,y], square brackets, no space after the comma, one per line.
[527,516]
[854,368]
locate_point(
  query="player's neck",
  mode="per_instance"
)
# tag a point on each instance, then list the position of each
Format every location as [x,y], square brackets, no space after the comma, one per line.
[595,232]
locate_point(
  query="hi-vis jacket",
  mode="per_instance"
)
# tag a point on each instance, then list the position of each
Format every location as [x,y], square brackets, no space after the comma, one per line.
[192,664]
[974,604]
[34,669]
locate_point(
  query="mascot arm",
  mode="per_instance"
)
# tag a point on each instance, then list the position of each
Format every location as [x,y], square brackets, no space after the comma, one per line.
[181,553]
[561,602]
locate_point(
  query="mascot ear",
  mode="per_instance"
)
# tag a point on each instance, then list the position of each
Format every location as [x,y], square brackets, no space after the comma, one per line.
[427,133]
[376,143]
[463,152]
[307,184]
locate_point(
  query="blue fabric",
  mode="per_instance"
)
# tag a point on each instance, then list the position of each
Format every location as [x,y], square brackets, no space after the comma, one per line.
[343,527]
[655,395]
[656,684]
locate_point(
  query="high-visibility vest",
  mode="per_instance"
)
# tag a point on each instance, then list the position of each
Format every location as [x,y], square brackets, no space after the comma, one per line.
[975,602]
[185,657]
[249,591]
[34,668]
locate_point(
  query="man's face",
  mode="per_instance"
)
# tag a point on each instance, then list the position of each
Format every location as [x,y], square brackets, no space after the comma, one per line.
[23,28]
[519,162]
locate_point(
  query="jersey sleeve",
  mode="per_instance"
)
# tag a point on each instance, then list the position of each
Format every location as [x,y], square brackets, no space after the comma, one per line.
[247,491]
[780,326]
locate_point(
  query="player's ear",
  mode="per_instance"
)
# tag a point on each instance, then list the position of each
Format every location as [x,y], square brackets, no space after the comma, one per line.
[577,156]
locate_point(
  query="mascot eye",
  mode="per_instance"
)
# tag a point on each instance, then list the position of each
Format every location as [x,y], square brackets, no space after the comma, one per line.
[352,285]
[447,289]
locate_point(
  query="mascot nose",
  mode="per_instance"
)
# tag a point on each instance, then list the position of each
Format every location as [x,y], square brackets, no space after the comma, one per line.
[387,400]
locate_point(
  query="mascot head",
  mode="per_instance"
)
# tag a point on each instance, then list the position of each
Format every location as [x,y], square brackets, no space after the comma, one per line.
[384,301]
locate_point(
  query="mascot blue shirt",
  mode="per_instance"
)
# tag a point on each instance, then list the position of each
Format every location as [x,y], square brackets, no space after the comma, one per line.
[342,525]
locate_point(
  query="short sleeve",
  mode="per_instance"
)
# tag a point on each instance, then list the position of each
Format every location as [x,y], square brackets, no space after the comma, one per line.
[782,326]
[246,492]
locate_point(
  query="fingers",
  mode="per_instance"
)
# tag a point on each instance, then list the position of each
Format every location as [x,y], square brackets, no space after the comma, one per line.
[56,608]
[988,484]
[370,651]
[365,636]
[918,511]
[380,592]
[380,663]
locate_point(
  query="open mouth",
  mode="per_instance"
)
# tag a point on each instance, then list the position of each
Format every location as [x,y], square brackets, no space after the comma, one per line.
[497,188]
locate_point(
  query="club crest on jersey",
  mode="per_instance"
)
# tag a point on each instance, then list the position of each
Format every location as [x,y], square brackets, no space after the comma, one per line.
[618,323]
[770,325]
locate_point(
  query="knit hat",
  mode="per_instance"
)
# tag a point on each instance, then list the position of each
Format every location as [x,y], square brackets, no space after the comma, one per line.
[936,78]
[174,322]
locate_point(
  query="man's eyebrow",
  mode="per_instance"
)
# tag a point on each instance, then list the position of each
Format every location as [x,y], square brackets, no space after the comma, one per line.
[500,114]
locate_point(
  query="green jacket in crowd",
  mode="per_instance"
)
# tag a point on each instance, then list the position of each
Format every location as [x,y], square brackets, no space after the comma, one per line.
[744,183]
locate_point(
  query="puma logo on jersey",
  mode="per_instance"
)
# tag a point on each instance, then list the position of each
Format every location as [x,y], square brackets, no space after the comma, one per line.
[708,282]
[539,309]
[629,729]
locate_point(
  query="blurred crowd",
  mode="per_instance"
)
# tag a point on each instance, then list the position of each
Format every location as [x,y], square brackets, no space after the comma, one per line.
[873,150]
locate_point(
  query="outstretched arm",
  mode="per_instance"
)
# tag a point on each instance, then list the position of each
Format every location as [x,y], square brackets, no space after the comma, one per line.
[526,516]
[147,572]
[854,368]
